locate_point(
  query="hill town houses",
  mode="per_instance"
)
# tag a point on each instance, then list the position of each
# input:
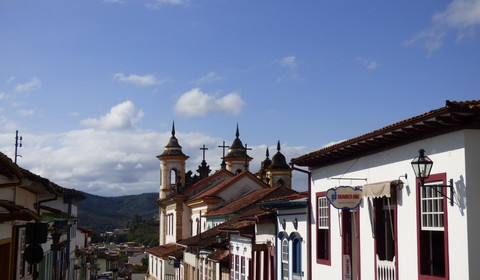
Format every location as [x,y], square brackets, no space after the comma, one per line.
[395,203]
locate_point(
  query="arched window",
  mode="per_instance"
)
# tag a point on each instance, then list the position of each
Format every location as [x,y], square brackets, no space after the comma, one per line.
[285,264]
[296,253]
[173,177]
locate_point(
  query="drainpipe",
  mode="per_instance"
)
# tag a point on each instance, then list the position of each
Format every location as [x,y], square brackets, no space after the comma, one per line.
[309,217]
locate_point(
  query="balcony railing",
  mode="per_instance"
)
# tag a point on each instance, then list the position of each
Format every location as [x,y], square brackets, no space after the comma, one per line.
[386,269]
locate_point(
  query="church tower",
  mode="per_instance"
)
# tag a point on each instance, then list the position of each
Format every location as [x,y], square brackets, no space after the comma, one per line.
[262,173]
[279,172]
[237,158]
[172,167]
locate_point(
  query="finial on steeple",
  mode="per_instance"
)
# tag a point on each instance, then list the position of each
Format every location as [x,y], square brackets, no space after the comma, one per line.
[267,153]
[237,133]
[278,145]
[173,128]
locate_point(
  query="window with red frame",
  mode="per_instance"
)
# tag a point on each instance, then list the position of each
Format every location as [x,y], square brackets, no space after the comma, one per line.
[323,229]
[432,206]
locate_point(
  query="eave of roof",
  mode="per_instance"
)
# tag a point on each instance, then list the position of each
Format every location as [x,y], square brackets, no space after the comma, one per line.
[164,250]
[10,170]
[454,116]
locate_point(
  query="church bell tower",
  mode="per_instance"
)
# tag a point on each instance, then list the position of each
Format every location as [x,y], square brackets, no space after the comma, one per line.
[172,167]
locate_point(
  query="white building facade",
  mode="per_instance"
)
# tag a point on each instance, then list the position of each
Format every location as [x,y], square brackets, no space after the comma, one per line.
[399,230]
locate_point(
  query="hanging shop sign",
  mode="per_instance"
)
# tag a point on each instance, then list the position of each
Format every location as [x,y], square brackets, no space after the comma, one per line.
[344,197]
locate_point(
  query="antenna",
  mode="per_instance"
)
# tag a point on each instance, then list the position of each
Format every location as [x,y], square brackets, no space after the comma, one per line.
[18,143]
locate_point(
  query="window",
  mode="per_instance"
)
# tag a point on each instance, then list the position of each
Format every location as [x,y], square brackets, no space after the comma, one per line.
[323,229]
[232,267]
[296,253]
[243,269]
[237,269]
[385,228]
[285,259]
[432,235]
[173,178]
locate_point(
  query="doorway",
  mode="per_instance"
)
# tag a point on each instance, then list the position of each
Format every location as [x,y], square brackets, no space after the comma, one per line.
[350,245]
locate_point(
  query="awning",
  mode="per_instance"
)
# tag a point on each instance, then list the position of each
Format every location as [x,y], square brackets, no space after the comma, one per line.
[375,190]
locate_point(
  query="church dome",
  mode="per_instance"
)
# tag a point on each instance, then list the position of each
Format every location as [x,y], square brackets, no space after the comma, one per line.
[237,150]
[278,160]
[173,148]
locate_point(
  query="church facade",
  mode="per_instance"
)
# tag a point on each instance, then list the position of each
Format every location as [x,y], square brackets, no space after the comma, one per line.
[185,200]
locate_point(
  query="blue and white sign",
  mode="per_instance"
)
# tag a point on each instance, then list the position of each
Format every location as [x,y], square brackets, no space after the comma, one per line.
[344,197]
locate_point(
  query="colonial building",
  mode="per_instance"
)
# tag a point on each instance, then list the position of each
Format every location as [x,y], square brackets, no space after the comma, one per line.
[408,225]
[37,225]
[186,200]
[290,244]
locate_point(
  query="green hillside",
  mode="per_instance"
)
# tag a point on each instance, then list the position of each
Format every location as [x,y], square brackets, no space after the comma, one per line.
[108,213]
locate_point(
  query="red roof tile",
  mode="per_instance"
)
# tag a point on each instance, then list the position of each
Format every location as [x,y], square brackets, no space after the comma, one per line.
[249,199]
[221,186]
[164,250]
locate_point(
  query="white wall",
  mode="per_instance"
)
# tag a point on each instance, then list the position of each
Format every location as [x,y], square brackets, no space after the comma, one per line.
[289,215]
[470,188]
[448,156]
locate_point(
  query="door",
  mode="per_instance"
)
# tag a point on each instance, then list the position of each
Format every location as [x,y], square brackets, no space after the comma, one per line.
[350,246]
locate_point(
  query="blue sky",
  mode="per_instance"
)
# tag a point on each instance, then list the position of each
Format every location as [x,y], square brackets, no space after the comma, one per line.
[93,86]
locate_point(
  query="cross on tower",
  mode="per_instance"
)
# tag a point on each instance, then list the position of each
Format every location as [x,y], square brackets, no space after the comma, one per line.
[204,149]
[246,156]
[223,164]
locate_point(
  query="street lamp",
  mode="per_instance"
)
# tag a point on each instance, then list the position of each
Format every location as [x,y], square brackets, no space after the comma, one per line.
[422,166]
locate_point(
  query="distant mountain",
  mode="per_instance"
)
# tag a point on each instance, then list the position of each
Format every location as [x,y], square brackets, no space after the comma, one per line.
[108,213]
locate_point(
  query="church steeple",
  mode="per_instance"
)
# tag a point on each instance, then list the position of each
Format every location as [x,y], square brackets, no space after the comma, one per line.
[237,158]
[262,173]
[279,172]
[172,166]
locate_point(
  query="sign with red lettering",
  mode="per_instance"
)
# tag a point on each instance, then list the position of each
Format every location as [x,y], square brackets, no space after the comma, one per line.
[344,197]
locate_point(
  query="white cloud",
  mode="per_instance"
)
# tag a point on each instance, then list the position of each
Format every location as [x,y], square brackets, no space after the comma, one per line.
[157,4]
[114,163]
[288,61]
[10,80]
[34,83]
[26,113]
[147,80]
[211,77]
[368,64]
[197,103]
[122,116]
[460,16]
[3,95]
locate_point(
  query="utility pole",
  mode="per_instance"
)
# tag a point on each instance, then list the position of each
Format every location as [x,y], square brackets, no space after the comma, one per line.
[18,143]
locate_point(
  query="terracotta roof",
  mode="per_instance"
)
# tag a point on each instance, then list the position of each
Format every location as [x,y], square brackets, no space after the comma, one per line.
[220,255]
[198,185]
[249,199]
[221,186]
[84,229]
[294,196]
[454,116]
[246,218]
[9,169]
[164,250]
[17,212]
